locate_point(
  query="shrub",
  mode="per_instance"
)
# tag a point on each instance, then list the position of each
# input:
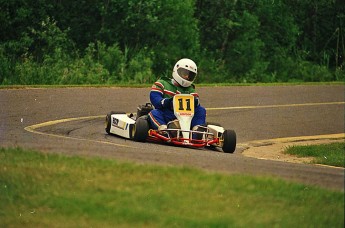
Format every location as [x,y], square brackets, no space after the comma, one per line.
[139,68]
[6,67]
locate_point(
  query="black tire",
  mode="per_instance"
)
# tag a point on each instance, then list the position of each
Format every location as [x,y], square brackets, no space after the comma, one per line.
[141,129]
[229,143]
[108,120]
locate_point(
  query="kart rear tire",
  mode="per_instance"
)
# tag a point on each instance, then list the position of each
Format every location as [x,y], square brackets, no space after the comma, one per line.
[229,143]
[108,120]
[141,129]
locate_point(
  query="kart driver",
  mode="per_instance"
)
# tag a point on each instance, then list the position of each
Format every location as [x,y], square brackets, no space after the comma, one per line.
[163,90]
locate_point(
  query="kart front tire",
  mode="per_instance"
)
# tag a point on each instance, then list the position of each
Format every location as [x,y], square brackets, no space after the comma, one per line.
[108,120]
[141,129]
[229,141]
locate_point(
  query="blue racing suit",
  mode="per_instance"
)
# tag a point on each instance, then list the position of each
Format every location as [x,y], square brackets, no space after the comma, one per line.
[161,95]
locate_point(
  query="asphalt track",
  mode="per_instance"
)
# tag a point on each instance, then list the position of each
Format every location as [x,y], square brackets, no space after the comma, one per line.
[71,121]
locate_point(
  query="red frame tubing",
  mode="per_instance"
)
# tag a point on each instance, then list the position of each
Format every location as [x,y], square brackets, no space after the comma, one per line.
[155,136]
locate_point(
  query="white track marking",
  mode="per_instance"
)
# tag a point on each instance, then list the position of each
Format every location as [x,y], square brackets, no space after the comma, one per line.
[33,128]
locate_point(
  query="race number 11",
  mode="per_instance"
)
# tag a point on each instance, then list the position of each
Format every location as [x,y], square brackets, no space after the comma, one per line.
[184,103]
[181,108]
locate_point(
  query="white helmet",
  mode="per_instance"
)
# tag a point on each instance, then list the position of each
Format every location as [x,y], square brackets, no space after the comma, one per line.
[184,72]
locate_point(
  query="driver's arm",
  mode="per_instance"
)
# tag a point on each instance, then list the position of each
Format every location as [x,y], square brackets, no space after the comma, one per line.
[157,97]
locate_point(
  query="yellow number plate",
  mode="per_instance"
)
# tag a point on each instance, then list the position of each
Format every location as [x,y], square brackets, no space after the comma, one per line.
[184,104]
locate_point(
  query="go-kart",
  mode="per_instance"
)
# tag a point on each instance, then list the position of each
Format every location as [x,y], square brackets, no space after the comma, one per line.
[178,132]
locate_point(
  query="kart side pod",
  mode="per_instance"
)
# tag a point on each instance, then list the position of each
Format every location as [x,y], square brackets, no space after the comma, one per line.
[217,131]
[119,123]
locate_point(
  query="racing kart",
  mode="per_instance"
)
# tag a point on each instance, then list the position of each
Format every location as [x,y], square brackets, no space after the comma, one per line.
[178,132]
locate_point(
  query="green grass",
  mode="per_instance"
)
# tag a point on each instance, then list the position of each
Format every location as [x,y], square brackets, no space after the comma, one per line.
[327,154]
[49,190]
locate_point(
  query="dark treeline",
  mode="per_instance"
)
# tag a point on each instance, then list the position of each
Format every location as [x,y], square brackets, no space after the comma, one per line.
[136,41]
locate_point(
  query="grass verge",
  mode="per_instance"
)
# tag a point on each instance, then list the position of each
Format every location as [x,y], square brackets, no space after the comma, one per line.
[49,190]
[327,154]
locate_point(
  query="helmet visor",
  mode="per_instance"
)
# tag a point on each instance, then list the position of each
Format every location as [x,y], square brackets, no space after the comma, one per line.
[186,74]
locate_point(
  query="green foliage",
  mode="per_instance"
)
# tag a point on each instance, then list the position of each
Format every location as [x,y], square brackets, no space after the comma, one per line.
[157,25]
[139,69]
[245,51]
[48,38]
[339,74]
[112,59]
[136,41]
[5,67]
[212,71]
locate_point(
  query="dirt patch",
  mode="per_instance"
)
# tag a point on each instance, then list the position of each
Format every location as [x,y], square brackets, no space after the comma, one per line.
[274,149]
